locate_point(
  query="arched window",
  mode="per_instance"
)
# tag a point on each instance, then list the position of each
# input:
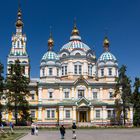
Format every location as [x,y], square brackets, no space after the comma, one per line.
[64,55]
[78,54]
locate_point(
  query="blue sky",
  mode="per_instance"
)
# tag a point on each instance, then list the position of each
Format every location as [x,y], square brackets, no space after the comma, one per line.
[120,17]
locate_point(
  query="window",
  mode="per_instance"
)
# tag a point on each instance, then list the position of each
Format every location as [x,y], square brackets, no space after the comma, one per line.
[48,113]
[43,72]
[33,114]
[53,114]
[110,71]
[110,95]
[97,113]
[66,94]
[75,69]
[32,96]
[102,72]
[50,95]
[68,114]
[78,69]
[50,71]
[77,54]
[64,70]
[90,70]
[110,114]
[57,72]
[80,93]
[94,95]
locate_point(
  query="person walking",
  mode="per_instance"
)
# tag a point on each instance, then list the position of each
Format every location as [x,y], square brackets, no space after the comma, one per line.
[11,126]
[62,131]
[74,127]
[36,130]
[32,129]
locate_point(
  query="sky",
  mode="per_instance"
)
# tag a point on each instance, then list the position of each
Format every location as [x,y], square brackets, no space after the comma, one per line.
[119,19]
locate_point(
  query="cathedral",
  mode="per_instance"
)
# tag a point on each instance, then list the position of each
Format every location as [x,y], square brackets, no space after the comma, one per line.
[74,85]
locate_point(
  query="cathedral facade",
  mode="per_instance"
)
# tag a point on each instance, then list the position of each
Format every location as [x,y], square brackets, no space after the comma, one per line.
[74,85]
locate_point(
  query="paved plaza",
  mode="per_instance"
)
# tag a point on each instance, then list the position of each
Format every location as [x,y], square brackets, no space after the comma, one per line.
[91,134]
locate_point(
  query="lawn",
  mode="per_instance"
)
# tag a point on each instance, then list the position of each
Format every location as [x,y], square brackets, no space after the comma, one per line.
[11,136]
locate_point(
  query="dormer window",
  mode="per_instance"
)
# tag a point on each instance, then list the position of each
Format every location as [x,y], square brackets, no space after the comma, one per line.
[77,54]
[64,55]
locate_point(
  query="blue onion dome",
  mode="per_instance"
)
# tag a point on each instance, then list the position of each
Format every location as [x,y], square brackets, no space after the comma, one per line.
[107,55]
[75,42]
[50,55]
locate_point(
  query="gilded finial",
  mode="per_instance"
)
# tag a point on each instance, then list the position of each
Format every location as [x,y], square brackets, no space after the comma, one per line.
[50,40]
[106,43]
[75,31]
[19,22]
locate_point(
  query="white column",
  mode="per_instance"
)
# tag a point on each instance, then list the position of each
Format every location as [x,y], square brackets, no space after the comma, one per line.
[39,113]
[92,114]
[61,114]
[85,68]
[131,115]
[74,113]
[104,113]
[101,93]
[89,93]
[72,92]
[61,93]
[40,94]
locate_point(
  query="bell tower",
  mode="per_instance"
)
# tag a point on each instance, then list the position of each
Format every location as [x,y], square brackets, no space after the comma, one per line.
[18,49]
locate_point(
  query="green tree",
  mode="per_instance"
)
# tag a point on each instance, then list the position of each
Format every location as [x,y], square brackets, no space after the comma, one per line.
[1,89]
[123,93]
[17,87]
[136,102]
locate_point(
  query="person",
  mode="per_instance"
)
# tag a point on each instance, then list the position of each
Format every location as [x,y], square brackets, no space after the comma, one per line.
[62,131]
[11,126]
[36,130]
[32,129]
[74,130]
[2,127]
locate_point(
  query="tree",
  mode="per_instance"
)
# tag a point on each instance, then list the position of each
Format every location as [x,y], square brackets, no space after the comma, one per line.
[123,93]
[1,89]
[136,102]
[17,87]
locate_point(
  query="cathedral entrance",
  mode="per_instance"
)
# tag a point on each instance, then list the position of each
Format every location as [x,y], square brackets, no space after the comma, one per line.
[83,116]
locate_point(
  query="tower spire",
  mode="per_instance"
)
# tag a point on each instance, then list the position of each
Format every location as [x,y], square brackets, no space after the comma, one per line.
[50,40]
[19,23]
[75,31]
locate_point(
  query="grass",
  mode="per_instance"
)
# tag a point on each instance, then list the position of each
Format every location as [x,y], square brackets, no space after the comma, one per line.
[11,136]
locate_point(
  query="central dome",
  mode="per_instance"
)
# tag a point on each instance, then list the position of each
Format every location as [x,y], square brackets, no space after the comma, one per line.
[75,42]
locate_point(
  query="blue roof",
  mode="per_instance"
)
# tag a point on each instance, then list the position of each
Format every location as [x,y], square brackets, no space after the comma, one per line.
[50,55]
[106,56]
[74,44]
